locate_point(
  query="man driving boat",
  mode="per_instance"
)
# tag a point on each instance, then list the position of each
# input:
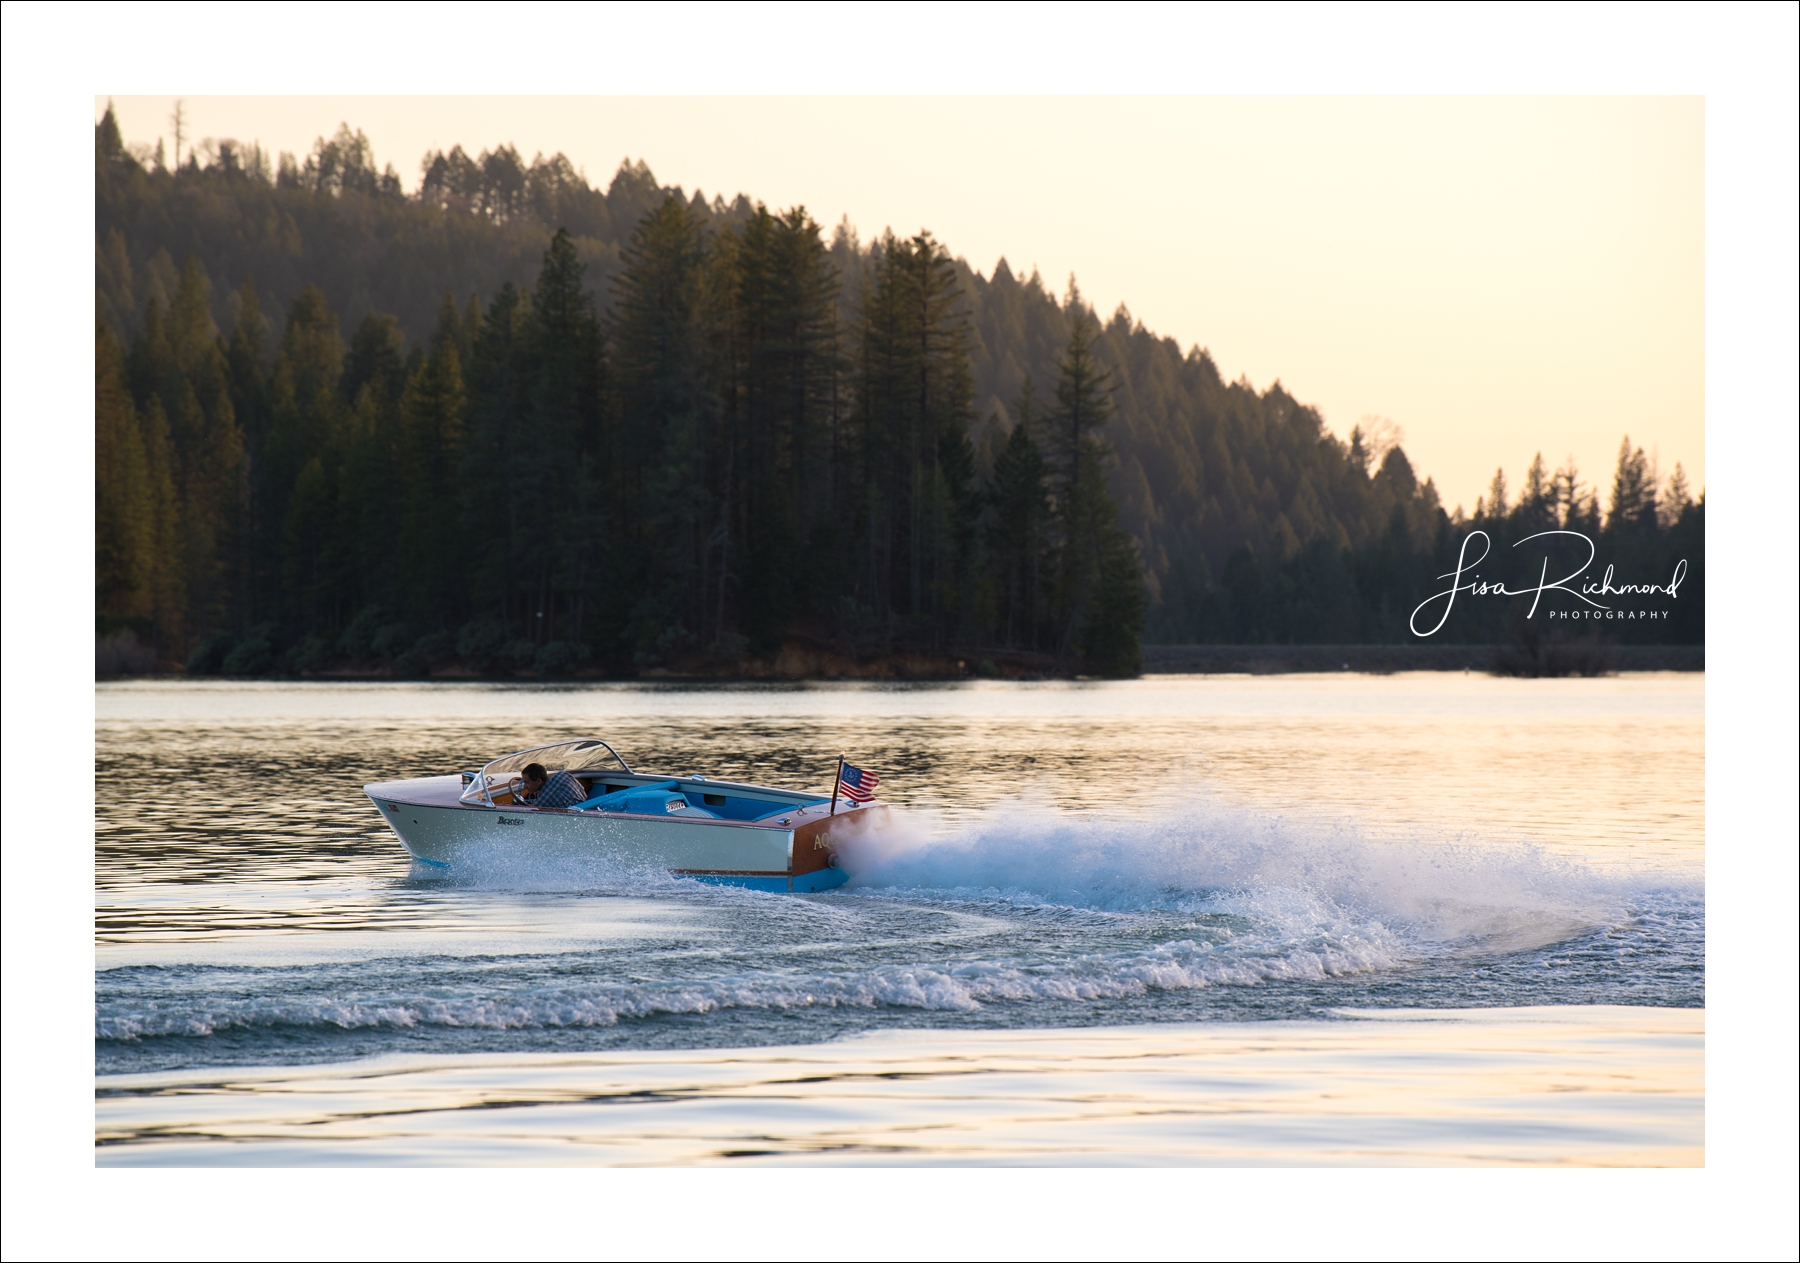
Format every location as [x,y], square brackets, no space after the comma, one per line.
[545,792]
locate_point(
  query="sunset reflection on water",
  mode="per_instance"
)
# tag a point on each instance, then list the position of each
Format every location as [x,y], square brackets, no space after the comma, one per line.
[1578,1086]
[1428,918]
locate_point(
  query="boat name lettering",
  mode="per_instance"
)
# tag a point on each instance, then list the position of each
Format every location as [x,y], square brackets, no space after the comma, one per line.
[511,819]
[821,841]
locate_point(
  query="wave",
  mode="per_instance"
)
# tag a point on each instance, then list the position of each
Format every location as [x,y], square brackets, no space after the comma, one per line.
[1175,966]
[1296,875]
[1034,904]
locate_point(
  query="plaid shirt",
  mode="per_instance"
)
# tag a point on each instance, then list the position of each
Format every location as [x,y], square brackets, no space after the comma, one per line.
[560,791]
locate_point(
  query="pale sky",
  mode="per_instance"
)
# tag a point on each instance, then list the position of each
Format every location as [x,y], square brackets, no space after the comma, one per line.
[1498,276]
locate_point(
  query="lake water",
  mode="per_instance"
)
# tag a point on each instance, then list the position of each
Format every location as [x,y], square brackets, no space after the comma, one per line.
[1341,918]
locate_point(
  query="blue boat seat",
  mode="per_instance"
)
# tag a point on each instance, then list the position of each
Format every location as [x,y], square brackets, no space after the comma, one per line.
[647,800]
[605,802]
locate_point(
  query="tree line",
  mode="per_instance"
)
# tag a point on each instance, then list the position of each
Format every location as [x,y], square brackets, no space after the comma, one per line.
[634,428]
[1651,533]
[709,467]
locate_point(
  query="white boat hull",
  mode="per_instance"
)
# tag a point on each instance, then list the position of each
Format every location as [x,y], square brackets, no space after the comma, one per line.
[436,827]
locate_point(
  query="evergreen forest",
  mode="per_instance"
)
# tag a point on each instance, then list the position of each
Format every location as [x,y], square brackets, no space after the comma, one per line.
[513,423]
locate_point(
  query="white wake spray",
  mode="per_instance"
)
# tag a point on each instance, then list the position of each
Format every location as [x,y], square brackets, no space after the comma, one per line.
[1296,875]
[1023,902]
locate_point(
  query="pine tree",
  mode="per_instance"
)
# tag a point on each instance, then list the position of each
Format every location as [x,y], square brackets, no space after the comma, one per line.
[1495,504]
[307,552]
[210,452]
[668,408]
[1111,635]
[1566,491]
[774,294]
[371,494]
[1677,500]
[497,489]
[304,412]
[168,582]
[1100,588]
[149,364]
[430,548]
[964,597]
[568,425]
[109,146]
[124,511]
[376,359]
[1084,508]
[1633,490]
[247,371]
[1016,536]
[1536,510]
[914,396]
[309,363]
[1358,455]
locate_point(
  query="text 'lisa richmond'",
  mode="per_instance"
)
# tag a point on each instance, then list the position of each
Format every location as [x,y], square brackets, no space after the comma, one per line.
[1592,594]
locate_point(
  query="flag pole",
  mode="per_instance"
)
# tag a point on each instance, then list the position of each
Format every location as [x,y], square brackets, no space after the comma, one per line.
[835,782]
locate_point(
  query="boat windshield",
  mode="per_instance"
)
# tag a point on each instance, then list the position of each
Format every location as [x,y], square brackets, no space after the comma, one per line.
[564,756]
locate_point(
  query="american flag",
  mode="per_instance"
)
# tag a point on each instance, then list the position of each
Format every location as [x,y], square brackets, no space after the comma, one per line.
[857,785]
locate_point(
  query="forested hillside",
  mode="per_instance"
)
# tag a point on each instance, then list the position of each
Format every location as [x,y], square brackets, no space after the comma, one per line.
[515,422]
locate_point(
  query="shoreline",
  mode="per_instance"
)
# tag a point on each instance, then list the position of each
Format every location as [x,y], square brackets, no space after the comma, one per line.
[795,666]
[1388,659]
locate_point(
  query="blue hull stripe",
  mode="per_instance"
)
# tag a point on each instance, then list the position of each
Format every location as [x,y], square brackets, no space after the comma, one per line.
[803,883]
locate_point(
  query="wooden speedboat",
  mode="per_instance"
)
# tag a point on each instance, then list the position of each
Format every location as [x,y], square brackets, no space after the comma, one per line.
[692,825]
